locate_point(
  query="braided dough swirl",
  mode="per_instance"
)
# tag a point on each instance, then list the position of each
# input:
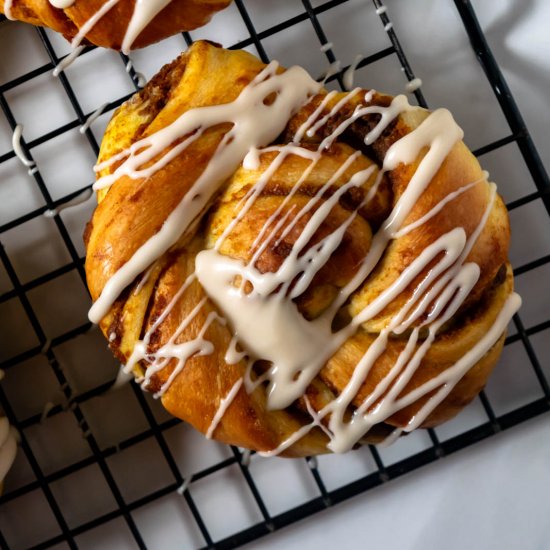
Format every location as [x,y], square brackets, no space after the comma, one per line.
[351,189]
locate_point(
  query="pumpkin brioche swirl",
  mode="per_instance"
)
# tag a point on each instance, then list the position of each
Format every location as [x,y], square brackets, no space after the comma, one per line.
[109,31]
[132,210]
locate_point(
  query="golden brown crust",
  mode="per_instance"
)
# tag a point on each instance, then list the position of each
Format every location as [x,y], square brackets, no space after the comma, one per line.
[177,16]
[133,210]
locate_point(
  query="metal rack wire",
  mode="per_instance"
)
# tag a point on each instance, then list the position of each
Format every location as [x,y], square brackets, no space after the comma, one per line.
[157,428]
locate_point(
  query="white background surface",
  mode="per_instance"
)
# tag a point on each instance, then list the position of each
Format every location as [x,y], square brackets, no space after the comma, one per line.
[492,495]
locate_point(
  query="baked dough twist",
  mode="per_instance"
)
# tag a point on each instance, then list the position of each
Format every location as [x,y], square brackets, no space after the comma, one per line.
[127,23]
[438,294]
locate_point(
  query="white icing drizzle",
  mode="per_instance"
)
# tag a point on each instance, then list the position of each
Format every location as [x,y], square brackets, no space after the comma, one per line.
[347,78]
[413,85]
[67,60]
[251,196]
[245,457]
[391,438]
[93,117]
[224,405]
[122,378]
[259,315]
[17,149]
[298,434]
[81,198]
[265,316]
[388,27]
[46,347]
[254,316]
[182,352]
[381,10]
[7,9]
[437,208]
[184,486]
[398,105]
[301,131]
[140,349]
[293,87]
[140,79]
[62,4]
[232,355]
[331,70]
[143,280]
[326,47]
[144,12]
[46,410]
[91,23]
[312,128]
[8,446]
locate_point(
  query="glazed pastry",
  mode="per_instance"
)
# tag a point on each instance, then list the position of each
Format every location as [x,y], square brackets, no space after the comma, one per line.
[118,24]
[291,270]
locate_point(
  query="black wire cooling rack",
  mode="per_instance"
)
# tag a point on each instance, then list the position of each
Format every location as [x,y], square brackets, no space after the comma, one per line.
[156,426]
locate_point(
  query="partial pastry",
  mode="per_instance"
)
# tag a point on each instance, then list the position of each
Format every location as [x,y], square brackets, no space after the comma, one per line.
[118,24]
[8,448]
[292,270]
